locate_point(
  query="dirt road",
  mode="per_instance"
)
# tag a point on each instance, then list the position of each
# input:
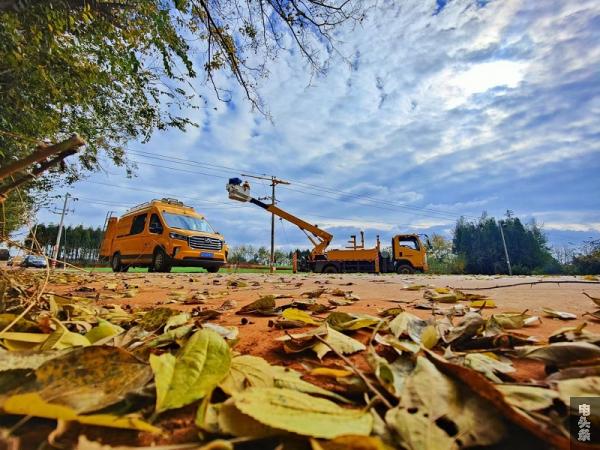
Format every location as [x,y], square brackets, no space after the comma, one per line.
[375,293]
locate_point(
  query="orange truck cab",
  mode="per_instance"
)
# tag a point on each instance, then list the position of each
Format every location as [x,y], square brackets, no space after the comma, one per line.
[161,234]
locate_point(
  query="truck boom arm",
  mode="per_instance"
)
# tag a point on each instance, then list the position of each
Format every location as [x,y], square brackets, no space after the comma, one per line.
[319,238]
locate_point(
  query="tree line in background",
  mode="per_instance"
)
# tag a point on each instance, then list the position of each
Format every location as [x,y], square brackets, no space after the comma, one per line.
[475,248]
[79,245]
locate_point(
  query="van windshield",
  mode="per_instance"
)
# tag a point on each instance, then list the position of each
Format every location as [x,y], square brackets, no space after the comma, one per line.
[187,222]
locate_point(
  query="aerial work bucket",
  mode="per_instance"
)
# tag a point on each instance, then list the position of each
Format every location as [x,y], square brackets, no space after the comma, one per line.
[238,190]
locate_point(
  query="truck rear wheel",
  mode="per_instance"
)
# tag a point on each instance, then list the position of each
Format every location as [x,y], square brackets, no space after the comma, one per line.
[330,269]
[117,265]
[160,262]
[405,269]
[212,269]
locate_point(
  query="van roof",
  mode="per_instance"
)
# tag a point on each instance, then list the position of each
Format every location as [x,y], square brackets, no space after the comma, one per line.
[168,202]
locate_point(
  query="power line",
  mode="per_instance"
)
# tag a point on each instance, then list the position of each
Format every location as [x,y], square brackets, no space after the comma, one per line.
[430,211]
[195,199]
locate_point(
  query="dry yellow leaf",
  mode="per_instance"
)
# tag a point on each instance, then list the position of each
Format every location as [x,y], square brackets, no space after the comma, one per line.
[33,405]
[328,372]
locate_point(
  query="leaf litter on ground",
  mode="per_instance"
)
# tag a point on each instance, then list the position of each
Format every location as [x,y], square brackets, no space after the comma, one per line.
[73,360]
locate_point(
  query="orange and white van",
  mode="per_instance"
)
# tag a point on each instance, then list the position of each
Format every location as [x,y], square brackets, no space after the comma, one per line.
[161,234]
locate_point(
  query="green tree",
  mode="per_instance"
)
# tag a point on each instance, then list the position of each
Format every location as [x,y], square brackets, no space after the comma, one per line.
[116,71]
[440,257]
[480,244]
[588,262]
[79,245]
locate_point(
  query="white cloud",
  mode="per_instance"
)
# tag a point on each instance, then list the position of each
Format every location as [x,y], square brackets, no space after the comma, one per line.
[565,226]
[475,108]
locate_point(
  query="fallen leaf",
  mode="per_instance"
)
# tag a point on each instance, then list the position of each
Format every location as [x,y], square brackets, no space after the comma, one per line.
[27,360]
[343,344]
[591,278]
[63,338]
[33,405]
[480,387]
[339,302]
[559,314]
[561,354]
[342,321]
[391,312]
[225,418]
[416,431]
[507,320]
[300,413]
[402,345]
[488,365]
[486,303]
[228,332]
[429,337]
[263,306]
[103,330]
[574,333]
[156,318]
[340,342]
[196,370]
[130,293]
[314,294]
[529,398]
[227,305]
[441,295]
[299,316]
[596,300]
[437,396]
[177,320]
[21,325]
[89,378]
[17,341]
[329,372]
[111,286]
[414,287]
[337,292]
[390,375]
[173,335]
[349,442]
[202,314]
[578,387]
[408,324]
[252,371]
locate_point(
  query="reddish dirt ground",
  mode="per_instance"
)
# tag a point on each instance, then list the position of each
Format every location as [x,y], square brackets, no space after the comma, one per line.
[376,292]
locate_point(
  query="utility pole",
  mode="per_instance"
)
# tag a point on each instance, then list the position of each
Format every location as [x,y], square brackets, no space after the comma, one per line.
[501,224]
[34,237]
[274,182]
[60,229]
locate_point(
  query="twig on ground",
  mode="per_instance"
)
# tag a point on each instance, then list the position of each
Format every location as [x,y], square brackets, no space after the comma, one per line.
[530,283]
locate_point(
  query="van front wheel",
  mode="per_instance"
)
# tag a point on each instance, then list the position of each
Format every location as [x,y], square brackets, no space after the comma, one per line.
[160,262]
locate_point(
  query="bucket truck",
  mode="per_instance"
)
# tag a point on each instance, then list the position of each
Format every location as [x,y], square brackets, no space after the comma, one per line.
[408,253]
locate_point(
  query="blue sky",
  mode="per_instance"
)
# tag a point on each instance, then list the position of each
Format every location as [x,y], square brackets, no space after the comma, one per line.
[442,109]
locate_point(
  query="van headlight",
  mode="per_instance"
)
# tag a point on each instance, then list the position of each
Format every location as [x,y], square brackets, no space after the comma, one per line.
[181,237]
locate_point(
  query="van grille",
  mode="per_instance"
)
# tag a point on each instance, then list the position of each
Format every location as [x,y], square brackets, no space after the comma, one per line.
[204,242]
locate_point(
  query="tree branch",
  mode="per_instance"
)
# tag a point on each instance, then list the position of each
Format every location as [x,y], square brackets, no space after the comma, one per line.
[44,151]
